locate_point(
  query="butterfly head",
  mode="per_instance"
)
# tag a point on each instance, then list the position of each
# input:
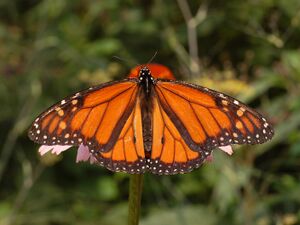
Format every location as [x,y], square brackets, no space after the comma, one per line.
[145,73]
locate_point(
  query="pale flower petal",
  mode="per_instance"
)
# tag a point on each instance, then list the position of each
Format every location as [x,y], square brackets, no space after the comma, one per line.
[209,158]
[56,149]
[83,154]
[45,148]
[93,159]
[227,149]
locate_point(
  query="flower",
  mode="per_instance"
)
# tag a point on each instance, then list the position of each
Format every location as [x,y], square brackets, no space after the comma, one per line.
[227,149]
[83,153]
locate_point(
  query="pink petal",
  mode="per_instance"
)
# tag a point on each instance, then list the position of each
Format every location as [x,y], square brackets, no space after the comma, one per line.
[44,149]
[83,153]
[209,158]
[227,149]
[56,149]
[93,159]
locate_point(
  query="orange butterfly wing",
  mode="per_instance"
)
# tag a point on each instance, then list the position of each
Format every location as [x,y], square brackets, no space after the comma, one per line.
[127,155]
[207,119]
[170,154]
[94,117]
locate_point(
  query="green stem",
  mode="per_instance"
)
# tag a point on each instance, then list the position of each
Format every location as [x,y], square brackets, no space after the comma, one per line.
[135,195]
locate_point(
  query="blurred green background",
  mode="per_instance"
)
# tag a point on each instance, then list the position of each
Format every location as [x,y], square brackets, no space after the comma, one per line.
[248,49]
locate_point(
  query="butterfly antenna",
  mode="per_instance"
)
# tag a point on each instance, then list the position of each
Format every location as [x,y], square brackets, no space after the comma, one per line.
[120,59]
[152,57]
[130,62]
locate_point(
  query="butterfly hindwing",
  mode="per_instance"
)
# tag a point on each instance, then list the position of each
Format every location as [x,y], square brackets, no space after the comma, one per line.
[170,154]
[94,117]
[127,155]
[207,119]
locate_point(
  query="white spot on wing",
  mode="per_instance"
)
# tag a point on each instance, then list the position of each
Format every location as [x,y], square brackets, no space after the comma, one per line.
[264,131]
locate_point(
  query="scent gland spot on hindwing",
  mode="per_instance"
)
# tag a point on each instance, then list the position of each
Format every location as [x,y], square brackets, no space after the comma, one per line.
[162,140]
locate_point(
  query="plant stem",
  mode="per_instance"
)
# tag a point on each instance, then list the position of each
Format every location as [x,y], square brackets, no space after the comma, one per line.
[135,195]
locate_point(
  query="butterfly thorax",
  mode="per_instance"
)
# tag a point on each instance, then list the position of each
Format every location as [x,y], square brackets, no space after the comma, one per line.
[146,81]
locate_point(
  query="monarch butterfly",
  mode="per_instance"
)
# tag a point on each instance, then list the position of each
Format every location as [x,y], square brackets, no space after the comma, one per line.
[149,122]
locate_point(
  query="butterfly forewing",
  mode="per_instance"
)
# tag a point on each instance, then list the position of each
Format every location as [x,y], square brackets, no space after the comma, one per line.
[207,119]
[94,117]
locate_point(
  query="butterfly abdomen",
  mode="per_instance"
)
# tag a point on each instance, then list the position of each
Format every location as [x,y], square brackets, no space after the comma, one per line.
[146,108]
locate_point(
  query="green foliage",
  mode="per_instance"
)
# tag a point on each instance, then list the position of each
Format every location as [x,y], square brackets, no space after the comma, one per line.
[52,48]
